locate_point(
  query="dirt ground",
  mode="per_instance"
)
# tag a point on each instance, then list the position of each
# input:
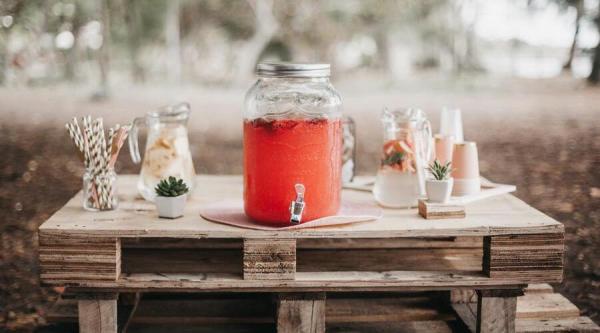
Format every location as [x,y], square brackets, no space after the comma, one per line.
[543,136]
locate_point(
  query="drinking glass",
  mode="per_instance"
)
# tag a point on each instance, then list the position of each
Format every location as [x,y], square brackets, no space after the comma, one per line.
[451,123]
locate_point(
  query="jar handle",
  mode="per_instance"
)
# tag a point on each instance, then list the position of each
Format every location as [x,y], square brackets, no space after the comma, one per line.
[133,139]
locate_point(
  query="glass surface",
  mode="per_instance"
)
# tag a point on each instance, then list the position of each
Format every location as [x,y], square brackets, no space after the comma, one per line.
[167,151]
[99,191]
[292,135]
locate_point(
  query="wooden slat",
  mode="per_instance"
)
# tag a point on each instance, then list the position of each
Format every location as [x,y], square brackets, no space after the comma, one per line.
[137,260]
[304,281]
[269,259]
[531,258]
[390,243]
[570,325]
[136,218]
[549,306]
[307,243]
[538,288]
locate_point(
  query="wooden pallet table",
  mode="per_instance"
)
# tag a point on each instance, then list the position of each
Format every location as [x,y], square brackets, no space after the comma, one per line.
[490,257]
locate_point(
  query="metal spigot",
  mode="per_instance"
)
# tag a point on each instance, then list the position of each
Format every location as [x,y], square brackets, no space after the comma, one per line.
[297,206]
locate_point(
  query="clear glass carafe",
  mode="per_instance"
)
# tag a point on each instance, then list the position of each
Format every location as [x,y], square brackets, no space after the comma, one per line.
[292,145]
[167,150]
[407,148]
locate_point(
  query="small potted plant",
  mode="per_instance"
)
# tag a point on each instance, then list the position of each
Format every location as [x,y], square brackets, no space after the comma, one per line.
[171,197]
[440,187]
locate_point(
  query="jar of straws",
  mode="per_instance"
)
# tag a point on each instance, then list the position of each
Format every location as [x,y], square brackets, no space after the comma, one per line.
[99,156]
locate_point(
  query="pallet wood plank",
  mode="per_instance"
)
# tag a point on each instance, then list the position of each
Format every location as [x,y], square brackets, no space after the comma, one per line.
[301,313]
[136,218]
[569,325]
[549,306]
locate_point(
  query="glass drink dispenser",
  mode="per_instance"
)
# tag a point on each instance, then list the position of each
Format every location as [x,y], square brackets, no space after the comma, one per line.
[292,145]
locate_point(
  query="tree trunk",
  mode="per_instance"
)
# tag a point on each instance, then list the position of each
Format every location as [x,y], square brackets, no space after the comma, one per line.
[579,12]
[134,35]
[104,51]
[173,41]
[3,56]
[594,77]
[249,52]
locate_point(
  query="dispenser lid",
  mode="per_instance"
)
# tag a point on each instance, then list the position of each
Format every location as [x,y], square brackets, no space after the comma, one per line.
[293,70]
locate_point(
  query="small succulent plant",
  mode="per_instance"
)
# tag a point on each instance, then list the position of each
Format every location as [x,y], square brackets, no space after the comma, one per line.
[171,187]
[440,171]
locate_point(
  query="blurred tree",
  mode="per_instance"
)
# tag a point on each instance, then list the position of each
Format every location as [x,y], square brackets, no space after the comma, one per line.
[135,37]
[104,51]
[577,5]
[173,41]
[249,51]
[12,9]
[594,76]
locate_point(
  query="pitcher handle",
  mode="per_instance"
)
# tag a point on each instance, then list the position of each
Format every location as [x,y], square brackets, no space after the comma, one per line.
[428,142]
[133,139]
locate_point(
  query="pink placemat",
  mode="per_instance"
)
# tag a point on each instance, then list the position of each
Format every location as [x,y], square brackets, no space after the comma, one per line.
[231,212]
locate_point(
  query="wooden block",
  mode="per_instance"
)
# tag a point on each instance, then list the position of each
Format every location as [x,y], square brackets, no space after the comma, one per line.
[528,258]
[301,313]
[496,314]
[548,306]
[539,288]
[72,258]
[269,259]
[578,324]
[98,316]
[463,296]
[434,211]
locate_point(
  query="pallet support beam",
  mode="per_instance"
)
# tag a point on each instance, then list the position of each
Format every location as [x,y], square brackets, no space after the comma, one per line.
[97,313]
[269,259]
[300,313]
[526,257]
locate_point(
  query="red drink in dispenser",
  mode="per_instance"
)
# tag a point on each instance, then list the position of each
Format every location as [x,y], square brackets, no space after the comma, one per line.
[292,145]
[279,154]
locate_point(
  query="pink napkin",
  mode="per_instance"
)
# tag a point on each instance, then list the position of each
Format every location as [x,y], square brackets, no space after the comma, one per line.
[232,212]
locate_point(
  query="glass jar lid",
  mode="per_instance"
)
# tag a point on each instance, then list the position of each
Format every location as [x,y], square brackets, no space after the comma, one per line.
[293,70]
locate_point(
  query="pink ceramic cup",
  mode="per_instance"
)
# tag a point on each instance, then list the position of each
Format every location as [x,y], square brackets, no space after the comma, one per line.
[465,166]
[444,146]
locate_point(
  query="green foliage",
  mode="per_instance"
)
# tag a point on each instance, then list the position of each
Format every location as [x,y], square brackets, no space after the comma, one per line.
[171,187]
[439,171]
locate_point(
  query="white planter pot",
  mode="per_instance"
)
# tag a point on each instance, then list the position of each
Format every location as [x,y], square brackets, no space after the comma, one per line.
[170,207]
[439,190]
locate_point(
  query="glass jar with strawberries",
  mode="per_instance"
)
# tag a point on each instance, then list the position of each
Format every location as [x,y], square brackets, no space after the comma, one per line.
[292,145]
[407,148]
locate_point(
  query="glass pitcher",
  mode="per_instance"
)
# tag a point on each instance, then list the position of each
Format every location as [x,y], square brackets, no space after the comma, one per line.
[407,147]
[167,148]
